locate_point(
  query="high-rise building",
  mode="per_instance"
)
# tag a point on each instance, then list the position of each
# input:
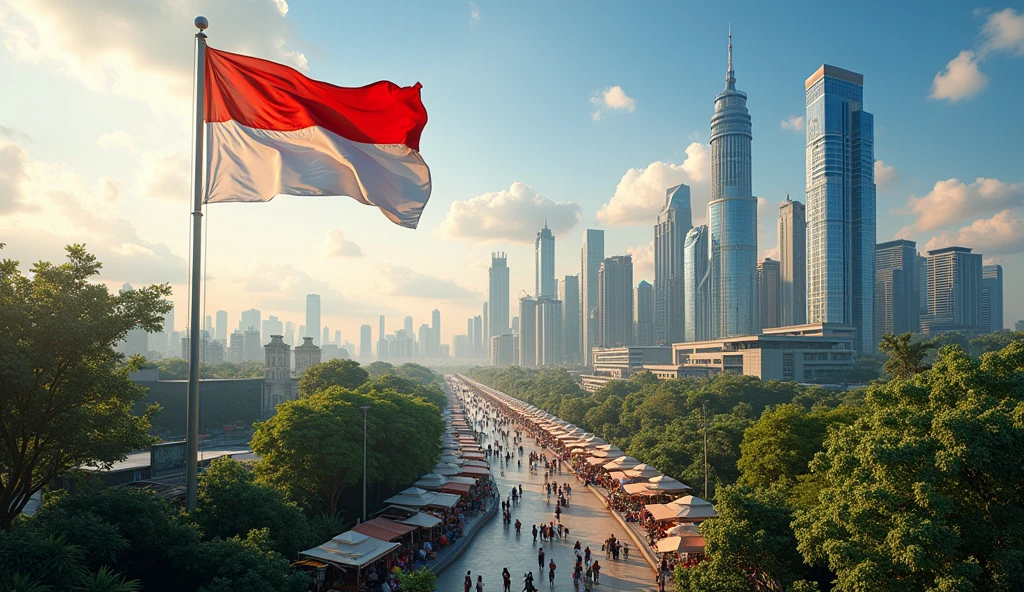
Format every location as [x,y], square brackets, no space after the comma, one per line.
[425,340]
[272,326]
[136,342]
[497,294]
[435,330]
[643,313]
[289,333]
[549,332]
[408,326]
[365,339]
[478,336]
[544,263]
[732,216]
[236,350]
[674,221]
[954,291]
[487,327]
[253,346]
[527,332]
[615,303]
[222,324]
[515,324]
[897,308]
[570,296]
[251,321]
[840,203]
[208,324]
[326,338]
[312,318]
[696,280]
[337,336]
[792,263]
[381,351]
[590,263]
[769,292]
[502,352]
[992,298]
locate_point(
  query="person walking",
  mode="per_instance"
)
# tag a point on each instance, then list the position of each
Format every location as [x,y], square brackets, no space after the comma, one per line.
[479,584]
[534,533]
[597,571]
[540,558]
[625,550]
[506,580]
[551,572]
[467,584]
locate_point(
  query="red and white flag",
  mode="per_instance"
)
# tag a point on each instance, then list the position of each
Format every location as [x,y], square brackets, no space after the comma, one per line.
[270,130]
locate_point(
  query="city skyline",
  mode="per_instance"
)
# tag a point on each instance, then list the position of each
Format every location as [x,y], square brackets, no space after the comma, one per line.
[933,188]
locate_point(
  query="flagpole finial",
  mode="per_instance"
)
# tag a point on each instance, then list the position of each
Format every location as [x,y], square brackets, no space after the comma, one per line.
[202,23]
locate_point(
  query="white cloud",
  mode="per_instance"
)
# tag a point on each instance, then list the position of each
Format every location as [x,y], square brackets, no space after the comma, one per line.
[794,123]
[960,80]
[611,98]
[336,244]
[643,262]
[640,194]
[474,13]
[403,281]
[284,287]
[952,201]
[885,176]
[13,177]
[141,50]
[514,214]
[1002,234]
[1004,31]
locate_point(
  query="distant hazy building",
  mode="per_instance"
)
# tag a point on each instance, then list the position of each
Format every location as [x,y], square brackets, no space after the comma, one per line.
[252,320]
[460,346]
[643,314]
[992,298]
[696,278]
[487,327]
[425,341]
[515,325]
[897,308]
[674,222]
[769,292]
[253,346]
[306,355]
[222,324]
[312,317]
[732,215]
[544,263]
[549,332]
[435,328]
[478,336]
[365,339]
[792,263]
[272,326]
[569,293]
[840,203]
[236,347]
[922,285]
[954,291]
[381,351]
[590,263]
[1018,326]
[527,332]
[615,303]
[498,294]
[502,350]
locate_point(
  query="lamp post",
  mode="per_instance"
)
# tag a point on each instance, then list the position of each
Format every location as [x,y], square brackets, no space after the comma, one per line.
[365,408]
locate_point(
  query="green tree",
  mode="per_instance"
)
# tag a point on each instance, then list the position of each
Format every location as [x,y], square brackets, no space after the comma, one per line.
[420,580]
[750,545]
[779,445]
[247,565]
[375,369]
[66,402]
[924,490]
[231,503]
[106,580]
[337,372]
[417,373]
[906,357]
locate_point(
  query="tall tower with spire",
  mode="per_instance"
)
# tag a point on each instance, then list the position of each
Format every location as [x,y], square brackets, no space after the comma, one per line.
[732,216]
[545,263]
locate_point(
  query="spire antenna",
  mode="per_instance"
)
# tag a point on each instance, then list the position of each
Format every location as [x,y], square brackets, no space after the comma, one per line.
[730,48]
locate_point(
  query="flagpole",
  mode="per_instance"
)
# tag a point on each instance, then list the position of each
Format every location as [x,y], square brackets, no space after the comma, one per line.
[192,419]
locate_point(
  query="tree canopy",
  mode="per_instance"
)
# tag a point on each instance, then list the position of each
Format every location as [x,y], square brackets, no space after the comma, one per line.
[66,397]
[337,372]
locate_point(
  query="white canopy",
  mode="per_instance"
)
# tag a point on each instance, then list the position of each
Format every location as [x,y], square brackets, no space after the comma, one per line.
[351,549]
[422,520]
[642,471]
[621,464]
[680,544]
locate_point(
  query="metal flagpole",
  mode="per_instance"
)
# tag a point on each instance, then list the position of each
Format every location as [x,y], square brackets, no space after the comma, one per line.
[192,419]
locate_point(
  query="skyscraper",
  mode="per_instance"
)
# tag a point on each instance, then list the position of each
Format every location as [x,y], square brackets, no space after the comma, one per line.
[251,321]
[208,324]
[615,303]
[313,318]
[365,339]
[696,277]
[840,203]
[435,330]
[381,351]
[487,328]
[992,298]
[570,296]
[289,333]
[792,263]
[897,308]
[222,324]
[326,336]
[544,263]
[769,292]
[732,216]
[527,332]
[478,334]
[674,221]
[591,257]
[408,326]
[954,291]
[643,313]
[497,294]
[549,332]
[272,326]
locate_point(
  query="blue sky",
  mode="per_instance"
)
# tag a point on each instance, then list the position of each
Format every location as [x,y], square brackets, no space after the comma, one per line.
[101,113]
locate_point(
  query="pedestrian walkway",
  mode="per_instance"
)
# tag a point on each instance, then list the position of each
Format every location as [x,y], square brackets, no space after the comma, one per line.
[497,545]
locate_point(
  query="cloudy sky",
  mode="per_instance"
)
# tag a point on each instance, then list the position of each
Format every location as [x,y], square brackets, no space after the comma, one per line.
[580,113]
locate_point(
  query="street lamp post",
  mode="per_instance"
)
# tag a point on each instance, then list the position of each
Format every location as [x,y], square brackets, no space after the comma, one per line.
[365,408]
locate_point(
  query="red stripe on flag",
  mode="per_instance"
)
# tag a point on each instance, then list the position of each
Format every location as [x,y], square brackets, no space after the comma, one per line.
[269,96]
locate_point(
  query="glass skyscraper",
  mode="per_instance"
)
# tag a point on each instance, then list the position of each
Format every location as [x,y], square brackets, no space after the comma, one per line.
[674,221]
[544,253]
[732,216]
[840,203]
[591,257]
[696,273]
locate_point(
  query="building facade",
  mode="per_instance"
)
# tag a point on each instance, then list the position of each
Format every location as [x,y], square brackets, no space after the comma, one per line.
[954,291]
[365,339]
[622,363]
[527,332]
[696,280]
[674,221]
[840,203]
[544,263]
[643,314]
[549,332]
[306,355]
[590,263]
[569,294]
[792,263]
[769,290]
[498,294]
[615,302]
[992,298]
[897,308]
[732,215]
[313,317]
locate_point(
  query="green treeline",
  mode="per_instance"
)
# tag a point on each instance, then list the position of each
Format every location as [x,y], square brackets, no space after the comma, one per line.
[913,483]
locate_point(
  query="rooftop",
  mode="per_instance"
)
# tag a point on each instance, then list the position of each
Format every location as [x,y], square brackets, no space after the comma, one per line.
[834,72]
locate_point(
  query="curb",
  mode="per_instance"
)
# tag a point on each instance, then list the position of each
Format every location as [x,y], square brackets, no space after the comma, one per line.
[442,564]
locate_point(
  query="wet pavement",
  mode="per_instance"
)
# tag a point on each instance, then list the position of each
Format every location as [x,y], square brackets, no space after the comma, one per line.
[497,546]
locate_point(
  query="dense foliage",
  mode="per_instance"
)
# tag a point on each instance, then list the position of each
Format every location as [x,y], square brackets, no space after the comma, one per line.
[344,373]
[66,402]
[177,369]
